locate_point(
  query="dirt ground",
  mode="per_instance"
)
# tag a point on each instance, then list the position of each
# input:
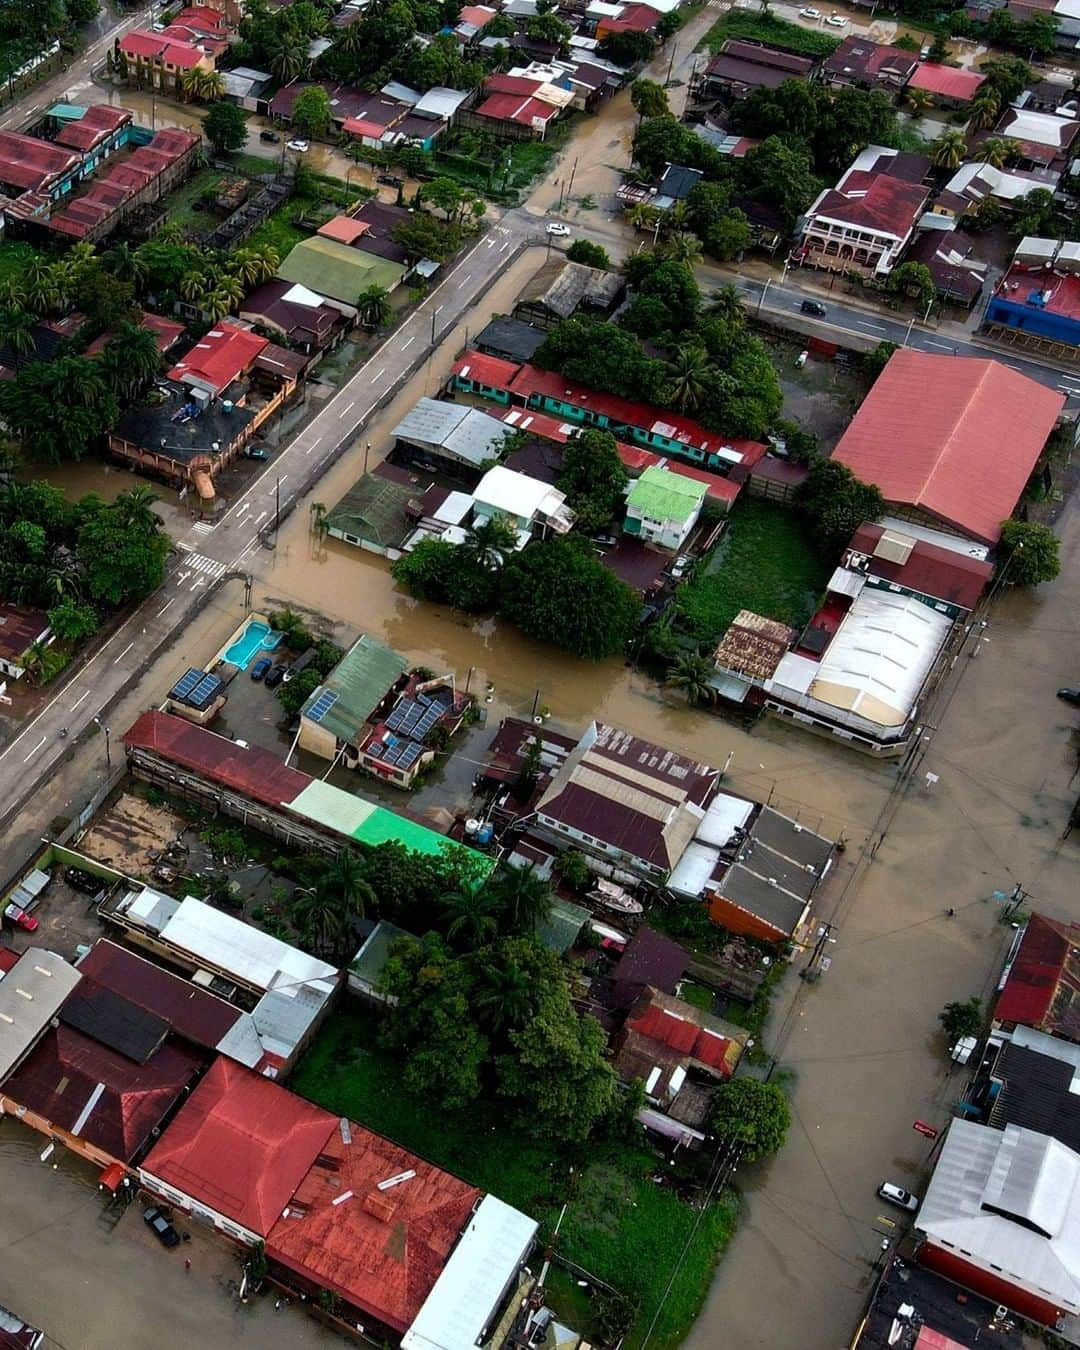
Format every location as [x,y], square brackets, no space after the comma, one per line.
[130,834]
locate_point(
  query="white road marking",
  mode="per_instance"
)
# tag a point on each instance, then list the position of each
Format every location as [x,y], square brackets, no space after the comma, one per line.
[199,581]
[165,606]
[341,414]
[378,373]
[210,566]
[945,346]
[364,416]
[261,516]
[877,327]
[406,344]
[283,477]
[85,694]
[506,246]
[246,507]
[35,749]
[124,653]
[183,577]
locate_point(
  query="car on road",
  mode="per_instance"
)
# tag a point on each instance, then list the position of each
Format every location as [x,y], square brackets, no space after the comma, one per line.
[259,669]
[275,676]
[559,231]
[810,13]
[270,137]
[253,452]
[836,21]
[162,1229]
[813,307]
[896,1195]
[299,146]
[1070,696]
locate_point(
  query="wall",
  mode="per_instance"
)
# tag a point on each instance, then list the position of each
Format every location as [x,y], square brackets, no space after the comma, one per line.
[953,1267]
[1031,319]
[737,920]
[317,739]
[197,1211]
[95,1155]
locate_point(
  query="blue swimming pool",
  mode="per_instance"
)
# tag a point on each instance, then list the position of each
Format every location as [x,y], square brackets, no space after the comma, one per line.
[256,637]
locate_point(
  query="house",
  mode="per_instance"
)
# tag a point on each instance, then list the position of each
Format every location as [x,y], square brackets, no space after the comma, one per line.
[741,67]
[948,86]
[216,397]
[31,165]
[1038,298]
[662,508]
[32,992]
[1001,1217]
[292,312]
[862,225]
[247,88]
[95,131]
[513,107]
[21,631]
[932,425]
[753,646]
[893,560]
[1041,984]
[341,711]
[630,805]
[511,339]
[561,289]
[913,1307]
[525,504]
[1026,1078]
[377,513]
[650,960]
[449,436]
[1045,141]
[165,332]
[407,739]
[367,966]
[973,183]
[337,272]
[162,59]
[345,101]
[948,255]
[861,64]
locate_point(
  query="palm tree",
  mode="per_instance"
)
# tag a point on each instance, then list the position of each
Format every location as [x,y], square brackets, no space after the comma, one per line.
[65,278]
[918,100]
[504,997]
[997,151]
[13,292]
[676,217]
[470,914]
[489,542]
[985,107]
[642,217]
[373,307]
[34,658]
[727,303]
[949,149]
[289,56]
[192,285]
[345,880]
[350,39]
[318,519]
[688,384]
[691,673]
[17,333]
[321,917]
[135,510]
[38,279]
[124,263]
[524,898]
[202,84]
[131,360]
[62,580]
[682,247]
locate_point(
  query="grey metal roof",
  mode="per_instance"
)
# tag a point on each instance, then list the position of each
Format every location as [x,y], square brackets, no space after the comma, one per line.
[441,102]
[511,338]
[31,994]
[463,433]
[366,967]
[794,841]
[777,906]
[563,287]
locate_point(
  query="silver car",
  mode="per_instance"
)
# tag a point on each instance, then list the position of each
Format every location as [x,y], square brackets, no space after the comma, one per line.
[896,1195]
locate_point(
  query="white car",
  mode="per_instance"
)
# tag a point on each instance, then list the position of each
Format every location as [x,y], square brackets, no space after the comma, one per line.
[896,1195]
[560,231]
[298,146]
[809,13]
[836,21]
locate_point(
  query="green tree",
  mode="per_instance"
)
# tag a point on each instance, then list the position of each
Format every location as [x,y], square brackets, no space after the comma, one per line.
[593,478]
[753,1114]
[875,360]
[226,127]
[834,503]
[288,55]
[592,255]
[602,356]
[311,111]
[916,281]
[557,592]
[1036,213]
[985,108]
[649,98]
[949,149]
[689,383]
[692,674]
[488,543]
[17,334]
[71,622]
[549,28]
[320,917]
[295,694]
[1006,75]
[522,899]
[997,151]
[121,561]
[962,1019]
[59,408]
[1027,553]
[423,236]
[627,49]
[470,915]
[125,263]
[130,360]
[779,173]
[373,307]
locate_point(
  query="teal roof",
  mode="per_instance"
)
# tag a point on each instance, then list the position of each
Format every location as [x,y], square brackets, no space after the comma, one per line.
[67,112]
[663,495]
[368,963]
[359,683]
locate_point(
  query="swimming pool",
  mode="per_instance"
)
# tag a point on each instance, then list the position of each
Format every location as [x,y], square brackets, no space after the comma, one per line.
[256,637]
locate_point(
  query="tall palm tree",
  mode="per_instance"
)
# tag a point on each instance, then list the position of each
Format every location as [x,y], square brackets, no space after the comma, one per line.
[205,85]
[997,151]
[490,542]
[682,247]
[253,266]
[524,898]
[676,217]
[918,100]
[691,673]
[17,334]
[504,997]
[949,149]
[470,914]
[65,278]
[13,292]
[344,879]
[131,360]
[373,307]
[124,263]
[38,279]
[726,303]
[34,658]
[135,510]
[985,108]
[688,378]
[351,39]
[320,916]
[192,285]
[642,217]
[289,56]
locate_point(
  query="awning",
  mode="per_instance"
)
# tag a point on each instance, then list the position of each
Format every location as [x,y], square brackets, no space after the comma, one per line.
[112,1178]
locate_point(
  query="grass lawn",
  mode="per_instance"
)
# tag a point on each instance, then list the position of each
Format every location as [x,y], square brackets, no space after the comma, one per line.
[280,228]
[763,562]
[619,1225]
[697,995]
[768,28]
[182,202]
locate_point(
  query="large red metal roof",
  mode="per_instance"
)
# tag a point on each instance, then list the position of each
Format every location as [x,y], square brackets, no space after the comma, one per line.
[381,1250]
[241,1144]
[1043,985]
[220,357]
[947,81]
[956,436]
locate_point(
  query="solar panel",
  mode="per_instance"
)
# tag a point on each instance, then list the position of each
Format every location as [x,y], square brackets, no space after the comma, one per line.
[398,716]
[402,754]
[205,690]
[430,717]
[186,683]
[322,705]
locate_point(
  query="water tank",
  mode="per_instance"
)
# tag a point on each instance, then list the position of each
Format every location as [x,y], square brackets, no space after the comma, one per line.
[484,833]
[471,826]
[226,405]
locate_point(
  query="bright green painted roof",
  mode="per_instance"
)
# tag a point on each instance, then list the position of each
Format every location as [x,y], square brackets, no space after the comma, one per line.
[663,495]
[336,270]
[361,680]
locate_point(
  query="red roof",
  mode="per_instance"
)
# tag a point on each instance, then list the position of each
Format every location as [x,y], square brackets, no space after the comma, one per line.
[956,436]
[515,108]
[634,18]
[941,573]
[60,1081]
[165,331]
[478,15]
[873,201]
[254,772]
[491,371]
[203,19]
[19,629]
[381,1251]
[1042,989]
[241,1145]
[344,229]
[685,1036]
[363,126]
[96,123]
[220,357]
[532,109]
[948,81]
[26,162]
[191,1012]
[8,959]
[511,84]
[159,47]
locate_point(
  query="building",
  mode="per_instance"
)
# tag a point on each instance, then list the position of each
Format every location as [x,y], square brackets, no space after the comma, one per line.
[293,313]
[863,224]
[1041,984]
[378,513]
[367,966]
[650,960]
[338,272]
[974,183]
[340,712]
[21,631]
[948,86]
[933,425]
[1001,1217]
[861,64]
[753,646]
[741,67]
[510,339]
[1044,140]
[951,580]
[513,109]
[917,1310]
[525,504]
[949,257]
[628,804]
[1037,301]
[32,992]
[166,333]
[662,508]
[449,436]
[561,289]
[163,59]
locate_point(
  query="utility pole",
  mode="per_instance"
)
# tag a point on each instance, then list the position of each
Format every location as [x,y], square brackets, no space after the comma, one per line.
[277,511]
[1016,899]
[434,315]
[811,970]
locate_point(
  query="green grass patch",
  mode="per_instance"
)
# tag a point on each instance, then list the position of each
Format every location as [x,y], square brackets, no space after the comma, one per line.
[281,229]
[182,203]
[764,562]
[768,28]
[697,995]
[620,1226]
[14,257]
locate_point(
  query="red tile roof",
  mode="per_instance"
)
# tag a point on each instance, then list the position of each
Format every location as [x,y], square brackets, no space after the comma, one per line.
[491,371]
[160,47]
[634,18]
[940,573]
[680,1031]
[220,357]
[948,81]
[381,1251]
[1042,989]
[241,1145]
[515,108]
[478,15]
[511,84]
[254,772]
[957,437]
[26,162]
[874,201]
[96,123]
[61,1077]
[19,629]
[165,331]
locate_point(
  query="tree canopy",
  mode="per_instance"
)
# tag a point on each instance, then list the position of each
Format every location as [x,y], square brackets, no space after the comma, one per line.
[226,127]
[593,478]
[1028,553]
[835,503]
[962,1019]
[753,1114]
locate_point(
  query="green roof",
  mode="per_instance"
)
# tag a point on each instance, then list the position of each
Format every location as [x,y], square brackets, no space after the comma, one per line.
[336,270]
[359,682]
[663,495]
[374,510]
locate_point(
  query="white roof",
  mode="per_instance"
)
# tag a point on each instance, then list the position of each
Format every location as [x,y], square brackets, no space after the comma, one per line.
[881,654]
[481,1267]
[441,102]
[845,582]
[691,873]
[245,952]
[1009,1199]
[402,92]
[518,494]
[30,997]
[466,433]
[724,816]
[598,9]
[967,548]
[794,672]
[1067,9]
[300,295]
[455,510]
[1042,128]
[149,908]
[997,182]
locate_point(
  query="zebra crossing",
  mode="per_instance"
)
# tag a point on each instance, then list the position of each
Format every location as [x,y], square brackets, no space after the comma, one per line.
[204,526]
[212,568]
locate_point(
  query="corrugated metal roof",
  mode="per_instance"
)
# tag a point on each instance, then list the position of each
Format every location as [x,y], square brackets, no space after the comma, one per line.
[31,995]
[663,495]
[360,681]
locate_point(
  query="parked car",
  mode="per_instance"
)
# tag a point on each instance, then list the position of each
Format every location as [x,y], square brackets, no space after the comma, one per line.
[84,881]
[559,231]
[390,179]
[896,1195]
[810,13]
[162,1229]
[814,307]
[275,677]
[299,146]
[836,21]
[259,669]
[1070,696]
[253,452]
[22,918]
[270,137]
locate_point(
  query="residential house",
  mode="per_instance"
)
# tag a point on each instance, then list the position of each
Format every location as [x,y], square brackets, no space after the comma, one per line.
[1050,96]
[932,425]
[511,339]
[377,513]
[513,109]
[21,631]
[741,67]
[863,224]
[948,86]
[1041,984]
[949,257]
[1037,301]
[1044,141]
[29,165]
[95,131]
[247,88]
[162,60]
[561,289]
[650,960]
[216,397]
[338,716]
[345,102]
[861,64]
[752,647]
[662,508]
[338,272]
[296,315]
[973,183]
[449,436]
[525,504]
[165,332]
[891,559]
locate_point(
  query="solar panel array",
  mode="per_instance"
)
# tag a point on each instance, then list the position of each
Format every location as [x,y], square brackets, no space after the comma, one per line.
[321,706]
[414,718]
[195,687]
[400,754]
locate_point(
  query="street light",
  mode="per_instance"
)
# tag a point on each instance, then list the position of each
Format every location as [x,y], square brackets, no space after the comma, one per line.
[434,314]
[108,753]
[764,292]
